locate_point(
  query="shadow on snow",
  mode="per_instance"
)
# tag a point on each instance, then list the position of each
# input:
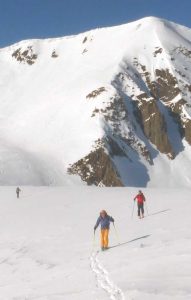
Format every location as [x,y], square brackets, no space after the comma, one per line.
[134,240]
[159,212]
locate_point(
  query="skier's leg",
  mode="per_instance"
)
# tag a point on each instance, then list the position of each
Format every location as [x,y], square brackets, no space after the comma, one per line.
[106,238]
[139,208]
[102,238]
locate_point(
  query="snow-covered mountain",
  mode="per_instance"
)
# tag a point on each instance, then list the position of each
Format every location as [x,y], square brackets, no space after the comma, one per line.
[110,106]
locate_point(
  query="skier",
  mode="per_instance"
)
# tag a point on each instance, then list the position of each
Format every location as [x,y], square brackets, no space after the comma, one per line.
[140,203]
[18,190]
[104,220]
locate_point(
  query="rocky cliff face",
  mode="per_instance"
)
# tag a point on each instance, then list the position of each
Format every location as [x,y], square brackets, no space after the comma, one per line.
[145,103]
[97,167]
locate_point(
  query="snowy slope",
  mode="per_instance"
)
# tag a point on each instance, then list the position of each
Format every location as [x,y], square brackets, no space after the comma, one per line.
[60,97]
[47,251]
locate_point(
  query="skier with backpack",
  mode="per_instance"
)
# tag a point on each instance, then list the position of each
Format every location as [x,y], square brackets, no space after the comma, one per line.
[104,220]
[140,198]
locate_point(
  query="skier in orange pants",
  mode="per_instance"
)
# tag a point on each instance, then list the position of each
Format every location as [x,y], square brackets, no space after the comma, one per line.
[104,220]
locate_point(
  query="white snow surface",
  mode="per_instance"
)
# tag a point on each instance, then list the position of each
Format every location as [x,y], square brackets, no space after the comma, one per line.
[45,117]
[47,250]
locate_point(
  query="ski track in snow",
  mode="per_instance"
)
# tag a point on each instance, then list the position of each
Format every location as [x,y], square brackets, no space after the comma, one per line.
[103,280]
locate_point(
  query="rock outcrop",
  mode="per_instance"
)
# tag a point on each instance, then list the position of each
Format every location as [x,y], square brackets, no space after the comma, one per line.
[97,169]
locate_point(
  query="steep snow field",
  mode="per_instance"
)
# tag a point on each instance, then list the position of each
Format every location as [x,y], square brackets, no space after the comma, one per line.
[45,117]
[47,250]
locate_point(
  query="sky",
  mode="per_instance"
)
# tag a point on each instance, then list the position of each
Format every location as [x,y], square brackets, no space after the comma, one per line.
[26,19]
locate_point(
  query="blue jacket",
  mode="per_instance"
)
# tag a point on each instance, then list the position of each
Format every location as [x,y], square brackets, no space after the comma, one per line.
[104,222]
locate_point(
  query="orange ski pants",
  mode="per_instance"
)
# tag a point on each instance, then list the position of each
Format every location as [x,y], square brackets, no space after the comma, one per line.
[104,238]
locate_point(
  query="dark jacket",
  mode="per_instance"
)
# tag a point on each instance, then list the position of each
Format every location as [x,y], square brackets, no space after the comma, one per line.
[18,190]
[104,222]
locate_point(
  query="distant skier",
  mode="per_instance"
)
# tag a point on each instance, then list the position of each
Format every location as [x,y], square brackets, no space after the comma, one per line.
[18,190]
[104,220]
[140,198]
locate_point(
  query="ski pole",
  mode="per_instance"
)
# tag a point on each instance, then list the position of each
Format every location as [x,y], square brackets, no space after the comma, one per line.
[93,242]
[116,233]
[133,210]
[146,208]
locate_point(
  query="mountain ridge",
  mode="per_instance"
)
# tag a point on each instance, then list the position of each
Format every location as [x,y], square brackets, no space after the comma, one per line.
[112,106]
[152,19]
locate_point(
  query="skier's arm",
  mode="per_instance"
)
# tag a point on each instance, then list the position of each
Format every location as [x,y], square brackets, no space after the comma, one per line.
[97,223]
[135,198]
[111,219]
[144,198]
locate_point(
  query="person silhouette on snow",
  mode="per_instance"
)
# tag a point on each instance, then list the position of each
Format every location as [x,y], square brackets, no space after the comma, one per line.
[104,220]
[140,198]
[18,190]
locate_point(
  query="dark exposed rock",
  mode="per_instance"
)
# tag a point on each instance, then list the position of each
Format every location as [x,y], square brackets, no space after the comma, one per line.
[148,115]
[146,77]
[175,111]
[187,130]
[84,51]
[54,54]
[166,85]
[96,169]
[96,93]
[184,124]
[114,112]
[165,88]
[85,40]
[188,87]
[157,51]
[138,147]
[27,56]
[153,124]
[182,50]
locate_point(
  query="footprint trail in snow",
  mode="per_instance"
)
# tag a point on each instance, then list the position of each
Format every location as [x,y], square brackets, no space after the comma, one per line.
[102,275]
